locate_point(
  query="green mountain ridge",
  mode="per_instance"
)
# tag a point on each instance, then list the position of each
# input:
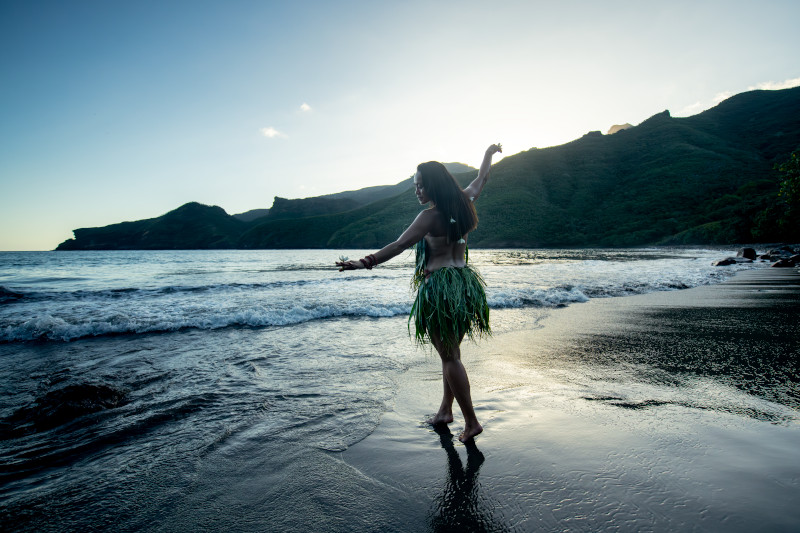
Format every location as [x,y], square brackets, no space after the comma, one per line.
[705,179]
[199,227]
[337,202]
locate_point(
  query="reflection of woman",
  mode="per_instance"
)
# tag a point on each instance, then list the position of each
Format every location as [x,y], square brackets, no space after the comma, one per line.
[450,300]
[461,506]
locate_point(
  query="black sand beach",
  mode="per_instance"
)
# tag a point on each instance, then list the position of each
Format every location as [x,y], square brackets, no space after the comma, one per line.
[671,411]
[667,411]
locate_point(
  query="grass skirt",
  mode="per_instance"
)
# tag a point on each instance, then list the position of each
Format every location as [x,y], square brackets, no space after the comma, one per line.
[451,303]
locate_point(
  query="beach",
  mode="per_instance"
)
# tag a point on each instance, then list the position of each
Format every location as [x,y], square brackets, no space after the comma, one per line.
[669,410]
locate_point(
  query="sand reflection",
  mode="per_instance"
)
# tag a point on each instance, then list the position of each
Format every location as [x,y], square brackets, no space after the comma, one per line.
[461,506]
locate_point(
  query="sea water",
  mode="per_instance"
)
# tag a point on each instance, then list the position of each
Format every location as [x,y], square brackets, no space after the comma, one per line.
[56,296]
[138,386]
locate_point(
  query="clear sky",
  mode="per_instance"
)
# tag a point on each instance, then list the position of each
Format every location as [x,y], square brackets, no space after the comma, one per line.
[113,111]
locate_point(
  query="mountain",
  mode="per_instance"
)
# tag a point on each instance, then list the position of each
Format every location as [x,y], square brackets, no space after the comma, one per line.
[198,226]
[339,202]
[191,226]
[283,208]
[705,179]
[249,216]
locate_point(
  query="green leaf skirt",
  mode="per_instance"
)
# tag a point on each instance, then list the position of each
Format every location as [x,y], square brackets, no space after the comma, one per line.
[451,303]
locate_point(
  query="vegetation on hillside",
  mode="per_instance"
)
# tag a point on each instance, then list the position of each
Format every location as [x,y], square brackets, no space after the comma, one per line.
[782,218]
[191,226]
[724,176]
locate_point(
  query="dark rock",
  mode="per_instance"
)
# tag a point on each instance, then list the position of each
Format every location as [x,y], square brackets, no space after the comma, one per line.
[747,253]
[782,263]
[731,261]
[795,259]
[72,401]
[780,252]
[60,407]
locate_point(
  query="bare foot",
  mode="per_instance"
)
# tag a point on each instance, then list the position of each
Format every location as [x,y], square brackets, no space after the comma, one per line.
[441,418]
[470,432]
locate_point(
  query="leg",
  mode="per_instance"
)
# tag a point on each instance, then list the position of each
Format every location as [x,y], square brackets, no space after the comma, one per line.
[456,385]
[445,413]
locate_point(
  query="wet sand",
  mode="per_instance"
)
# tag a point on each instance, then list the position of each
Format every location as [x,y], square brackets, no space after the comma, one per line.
[673,411]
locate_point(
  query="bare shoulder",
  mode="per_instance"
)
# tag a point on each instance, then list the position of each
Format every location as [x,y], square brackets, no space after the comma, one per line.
[421,226]
[429,212]
[426,216]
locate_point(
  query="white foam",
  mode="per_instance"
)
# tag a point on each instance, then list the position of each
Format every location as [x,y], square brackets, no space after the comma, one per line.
[48,327]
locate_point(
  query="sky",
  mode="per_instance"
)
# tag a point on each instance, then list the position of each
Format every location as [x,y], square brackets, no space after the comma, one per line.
[114,111]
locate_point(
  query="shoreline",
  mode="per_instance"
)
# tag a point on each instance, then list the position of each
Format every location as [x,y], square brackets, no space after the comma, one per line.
[659,411]
[666,411]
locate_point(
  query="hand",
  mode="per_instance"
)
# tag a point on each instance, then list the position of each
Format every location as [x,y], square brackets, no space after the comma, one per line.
[493,149]
[349,265]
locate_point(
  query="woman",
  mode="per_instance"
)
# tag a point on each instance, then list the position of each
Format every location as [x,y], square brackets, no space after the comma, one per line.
[450,300]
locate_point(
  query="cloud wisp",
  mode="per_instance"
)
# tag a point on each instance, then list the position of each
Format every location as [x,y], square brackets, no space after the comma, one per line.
[272,133]
[776,85]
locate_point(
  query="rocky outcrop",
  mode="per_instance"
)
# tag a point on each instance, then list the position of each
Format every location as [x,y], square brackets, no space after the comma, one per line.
[784,256]
[747,253]
[618,127]
[791,261]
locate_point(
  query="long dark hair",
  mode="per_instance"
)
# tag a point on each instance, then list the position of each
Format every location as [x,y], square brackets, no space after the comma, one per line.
[443,190]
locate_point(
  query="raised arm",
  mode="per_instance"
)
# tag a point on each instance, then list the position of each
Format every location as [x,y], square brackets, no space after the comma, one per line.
[474,189]
[414,233]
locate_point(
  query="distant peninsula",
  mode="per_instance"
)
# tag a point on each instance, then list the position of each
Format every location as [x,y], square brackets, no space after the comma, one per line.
[705,179]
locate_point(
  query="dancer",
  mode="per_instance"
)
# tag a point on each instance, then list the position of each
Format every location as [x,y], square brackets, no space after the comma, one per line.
[450,301]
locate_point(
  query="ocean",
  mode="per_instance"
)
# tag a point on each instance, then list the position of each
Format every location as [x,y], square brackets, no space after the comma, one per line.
[142,389]
[51,296]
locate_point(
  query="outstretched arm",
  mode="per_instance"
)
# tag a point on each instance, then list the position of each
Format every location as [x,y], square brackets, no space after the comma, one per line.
[474,189]
[414,233]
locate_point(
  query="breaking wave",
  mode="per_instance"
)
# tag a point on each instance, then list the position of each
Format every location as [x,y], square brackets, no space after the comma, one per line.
[122,301]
